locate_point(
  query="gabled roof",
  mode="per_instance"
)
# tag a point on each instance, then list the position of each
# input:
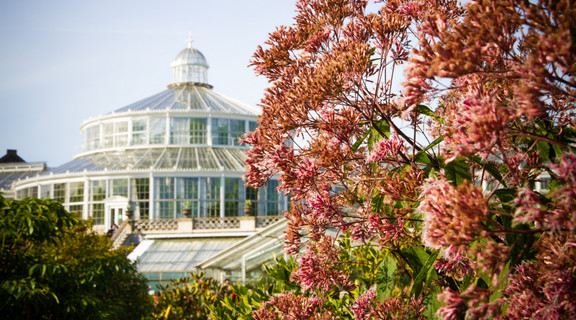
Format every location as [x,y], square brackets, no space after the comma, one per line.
[11,157]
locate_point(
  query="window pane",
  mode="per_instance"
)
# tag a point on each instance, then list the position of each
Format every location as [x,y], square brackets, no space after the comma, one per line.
[157,128]
[59,191]
[119,187]
[179,131]
[91,138]
[45,191]
[139,133]
[98,213]
[236,131]
[212,194]
[98,190]
[76,192]
[120,134]
[232,197]
[165,209]
[164,188]
[108,135]
[197,131]
[219,131]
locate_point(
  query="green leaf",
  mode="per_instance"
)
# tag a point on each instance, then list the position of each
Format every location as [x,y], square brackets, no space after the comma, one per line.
[385,277]
[378,132]
[457,171]
[427,111]
[358,143]
[505,195]
[425,275]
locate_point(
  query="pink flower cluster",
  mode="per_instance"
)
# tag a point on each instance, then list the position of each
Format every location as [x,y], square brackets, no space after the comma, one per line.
[453,216]
[368,306]
[288,305]
[479,123]
[319,268]
[386,149]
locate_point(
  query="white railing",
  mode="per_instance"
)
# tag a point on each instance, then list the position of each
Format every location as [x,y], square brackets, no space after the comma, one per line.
[155,224]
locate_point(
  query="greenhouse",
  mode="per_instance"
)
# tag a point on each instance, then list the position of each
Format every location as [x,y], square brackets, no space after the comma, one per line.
[178,149]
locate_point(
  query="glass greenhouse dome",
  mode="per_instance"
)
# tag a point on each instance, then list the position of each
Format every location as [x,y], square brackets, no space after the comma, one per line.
[177,148]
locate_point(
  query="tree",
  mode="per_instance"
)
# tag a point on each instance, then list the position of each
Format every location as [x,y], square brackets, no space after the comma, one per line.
[189,298]
[53,267]
[488,100]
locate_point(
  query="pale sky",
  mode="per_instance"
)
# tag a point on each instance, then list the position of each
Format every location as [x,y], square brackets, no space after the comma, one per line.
[63,62]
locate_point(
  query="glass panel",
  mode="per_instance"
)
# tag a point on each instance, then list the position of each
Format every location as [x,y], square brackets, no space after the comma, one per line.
[76,192]
[544,183]
[232,197]
[164,188]
[212,201]
[197,131]
[219,131]
[140,194]
[119,187]
[188,193]
[179,131]
[121,134]
[272,199]
[59,192]
[139,133]
[108,135]
[98,213]
[188,159]
[252,200]
[45,191]
[165,209]
[33,192]
[98,190]
[168,159]
[157,128]
[236,131]
[91,138]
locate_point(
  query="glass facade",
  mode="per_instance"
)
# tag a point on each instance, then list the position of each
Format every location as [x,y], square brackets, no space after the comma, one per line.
[177,149]
[142,131]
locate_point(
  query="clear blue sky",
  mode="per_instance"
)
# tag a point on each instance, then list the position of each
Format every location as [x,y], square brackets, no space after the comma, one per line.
[63,62]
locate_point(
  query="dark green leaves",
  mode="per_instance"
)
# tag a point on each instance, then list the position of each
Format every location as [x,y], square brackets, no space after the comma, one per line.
[385,277]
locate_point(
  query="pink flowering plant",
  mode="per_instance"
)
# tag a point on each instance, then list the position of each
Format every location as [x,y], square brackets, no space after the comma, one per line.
[436,138]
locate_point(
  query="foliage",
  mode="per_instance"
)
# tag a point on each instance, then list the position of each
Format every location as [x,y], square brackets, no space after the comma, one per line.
[189,298]
[438,173]
[52,267]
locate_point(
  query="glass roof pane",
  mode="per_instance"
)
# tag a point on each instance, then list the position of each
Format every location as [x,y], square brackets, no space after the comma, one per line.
[206,159]
[174,255]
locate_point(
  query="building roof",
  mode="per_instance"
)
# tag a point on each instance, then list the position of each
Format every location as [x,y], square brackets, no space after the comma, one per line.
[11,156]
[177,255]
[182,158]
[189,97]
[13,168]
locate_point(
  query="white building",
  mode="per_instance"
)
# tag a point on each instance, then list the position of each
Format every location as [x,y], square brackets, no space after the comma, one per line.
[152,159]
[180,146]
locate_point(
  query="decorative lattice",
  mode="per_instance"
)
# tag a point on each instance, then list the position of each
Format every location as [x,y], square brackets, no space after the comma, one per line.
[217,223]
[156,224]
[265,221]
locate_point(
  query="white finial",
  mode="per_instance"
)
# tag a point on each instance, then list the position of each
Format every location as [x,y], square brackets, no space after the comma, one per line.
[190,40]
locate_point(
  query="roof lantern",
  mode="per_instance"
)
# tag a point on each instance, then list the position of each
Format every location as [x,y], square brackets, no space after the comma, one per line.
[189,68]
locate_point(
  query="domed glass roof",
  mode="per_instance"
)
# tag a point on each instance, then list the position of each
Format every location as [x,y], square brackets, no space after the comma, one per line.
[189,67]
[191,97]
[190,56]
